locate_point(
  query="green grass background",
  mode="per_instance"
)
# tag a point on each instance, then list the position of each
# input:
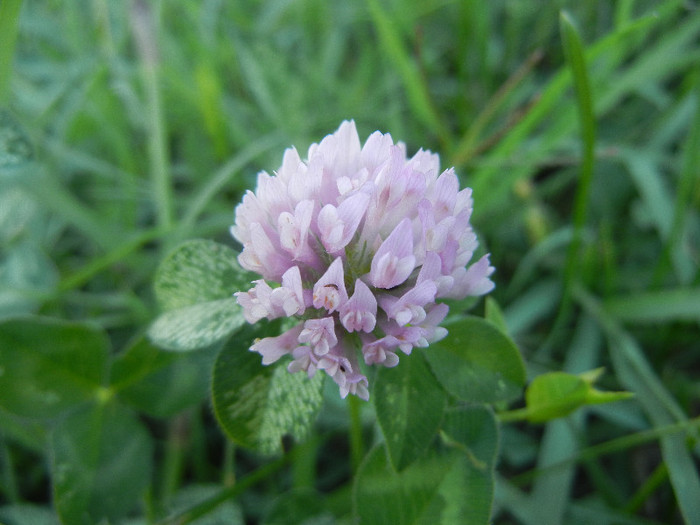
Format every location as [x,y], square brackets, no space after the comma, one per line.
[128,126]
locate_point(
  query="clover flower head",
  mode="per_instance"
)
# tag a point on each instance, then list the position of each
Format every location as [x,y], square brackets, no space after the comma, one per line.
[363,242]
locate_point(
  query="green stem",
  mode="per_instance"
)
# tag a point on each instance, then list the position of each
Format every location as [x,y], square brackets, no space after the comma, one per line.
[357,448]
[509,416]
[157,150]
[146,38]
[304,464]
[174,457]
[229,477]
[653,482]
[191,514]
[611,447]
[9,25]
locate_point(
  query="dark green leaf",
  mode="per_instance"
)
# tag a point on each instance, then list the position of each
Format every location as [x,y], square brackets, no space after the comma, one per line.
[300,507]
[384,497]
[197,326]
[30,433]
[161,383]
[435,490]
[199,271]
[258,405]
[100,463]
[409,403]
[195,285]
[476,362]
[48,366]
[474,431]
[26,273]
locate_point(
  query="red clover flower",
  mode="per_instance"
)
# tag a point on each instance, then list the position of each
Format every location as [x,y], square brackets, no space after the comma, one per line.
[364,241]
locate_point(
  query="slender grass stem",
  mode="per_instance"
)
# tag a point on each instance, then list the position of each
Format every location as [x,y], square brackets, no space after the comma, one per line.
[611,447]
[223,176]
[467,145]
[653,482]
[174,456]
[573,49]
[417,92]
[9,25]
[146,38]
[100,264]
[575,56]
[229,471]
[684,195]
[192,513]
[157,150]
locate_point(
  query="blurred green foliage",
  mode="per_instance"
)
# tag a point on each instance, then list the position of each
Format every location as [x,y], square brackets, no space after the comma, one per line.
[127,127]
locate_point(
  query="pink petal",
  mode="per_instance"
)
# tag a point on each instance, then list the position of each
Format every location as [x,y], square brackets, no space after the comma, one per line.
[329,290]
[394,260]
[272,348]
[359,313]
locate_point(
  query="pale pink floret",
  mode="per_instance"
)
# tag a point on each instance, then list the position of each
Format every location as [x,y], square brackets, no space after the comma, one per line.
[381,351]
[392,231]
[432,271]
[355,384]
[304,361]
[263,301]
[272,348]
[394,260]
[409,308]
[294,230]
[262,256]
[329,291]
[338,225]
[359,313]
[473,281]
[319,334]
[256,301]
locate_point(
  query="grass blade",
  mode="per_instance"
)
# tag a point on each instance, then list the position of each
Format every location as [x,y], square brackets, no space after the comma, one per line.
[657,306]
[675,251]
[9,16]
[574,52]
[416,89]
[490,182]
[145,35]
[636,374]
